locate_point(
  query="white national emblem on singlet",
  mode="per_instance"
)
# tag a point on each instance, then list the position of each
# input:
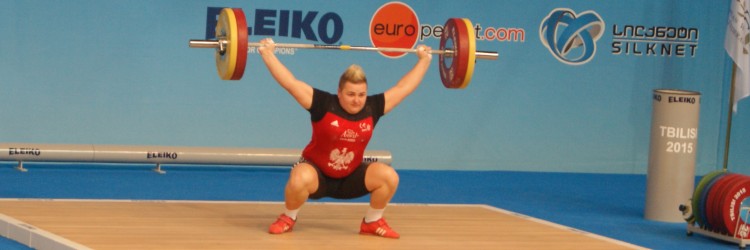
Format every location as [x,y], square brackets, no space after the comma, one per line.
[340,159]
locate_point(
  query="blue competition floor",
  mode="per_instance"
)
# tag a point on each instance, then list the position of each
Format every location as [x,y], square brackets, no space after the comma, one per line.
[606,204]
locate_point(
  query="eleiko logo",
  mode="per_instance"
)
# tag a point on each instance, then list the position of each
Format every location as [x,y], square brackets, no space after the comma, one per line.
[308,25]
[563,32]
[394,25]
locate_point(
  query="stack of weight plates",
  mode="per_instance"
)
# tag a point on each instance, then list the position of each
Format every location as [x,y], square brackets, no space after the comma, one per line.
[720,204]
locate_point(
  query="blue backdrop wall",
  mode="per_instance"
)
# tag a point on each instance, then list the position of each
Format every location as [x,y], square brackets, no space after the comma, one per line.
[120,72]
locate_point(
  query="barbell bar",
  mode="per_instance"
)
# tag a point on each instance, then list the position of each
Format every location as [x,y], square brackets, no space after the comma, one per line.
[221,43]
[457,53]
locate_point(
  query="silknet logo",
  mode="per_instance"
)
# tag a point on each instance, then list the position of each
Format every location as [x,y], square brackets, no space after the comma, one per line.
[394,25]
[571,37]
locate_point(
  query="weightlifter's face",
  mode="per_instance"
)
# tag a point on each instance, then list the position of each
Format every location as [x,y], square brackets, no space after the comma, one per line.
[352,96]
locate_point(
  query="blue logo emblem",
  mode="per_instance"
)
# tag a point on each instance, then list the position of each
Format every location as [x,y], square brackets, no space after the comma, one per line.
[569,37]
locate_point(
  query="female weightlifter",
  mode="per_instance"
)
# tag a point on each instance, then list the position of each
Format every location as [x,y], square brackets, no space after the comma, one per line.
[331,164]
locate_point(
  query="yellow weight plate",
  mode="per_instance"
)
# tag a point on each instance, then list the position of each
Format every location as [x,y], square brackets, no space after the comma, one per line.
[226,28]
[472,42]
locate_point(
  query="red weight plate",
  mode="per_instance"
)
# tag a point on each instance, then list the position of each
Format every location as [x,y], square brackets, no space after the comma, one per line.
[722,202]
[452,73]
[471,41]
[724,196]
[731,208]
[239,68]
[462,55]
[448,39]
[715,196]
[463,49]
[711,200]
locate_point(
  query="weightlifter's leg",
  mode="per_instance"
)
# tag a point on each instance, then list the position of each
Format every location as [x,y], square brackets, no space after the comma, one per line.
[303,181]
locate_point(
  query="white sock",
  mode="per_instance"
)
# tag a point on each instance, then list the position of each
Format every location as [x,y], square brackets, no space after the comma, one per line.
[292,213]
[373,214]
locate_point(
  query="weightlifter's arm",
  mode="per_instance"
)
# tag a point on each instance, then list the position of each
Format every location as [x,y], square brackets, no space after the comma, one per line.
[410,81]
[301,91]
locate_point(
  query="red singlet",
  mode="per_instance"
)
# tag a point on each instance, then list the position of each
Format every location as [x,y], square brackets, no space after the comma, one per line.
[339,139]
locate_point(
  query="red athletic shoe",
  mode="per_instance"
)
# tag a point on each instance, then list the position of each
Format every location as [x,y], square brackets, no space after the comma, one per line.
[282,225]
[379,228]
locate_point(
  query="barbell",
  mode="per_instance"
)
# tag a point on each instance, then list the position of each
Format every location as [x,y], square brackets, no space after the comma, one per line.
[457,53]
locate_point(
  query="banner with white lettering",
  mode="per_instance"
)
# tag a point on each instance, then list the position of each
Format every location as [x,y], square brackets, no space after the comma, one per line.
[577,72]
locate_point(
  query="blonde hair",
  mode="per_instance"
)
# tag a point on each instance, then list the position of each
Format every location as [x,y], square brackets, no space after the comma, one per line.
[353,74]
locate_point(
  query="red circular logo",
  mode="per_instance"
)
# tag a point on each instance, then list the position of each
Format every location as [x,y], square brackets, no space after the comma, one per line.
[394,25]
